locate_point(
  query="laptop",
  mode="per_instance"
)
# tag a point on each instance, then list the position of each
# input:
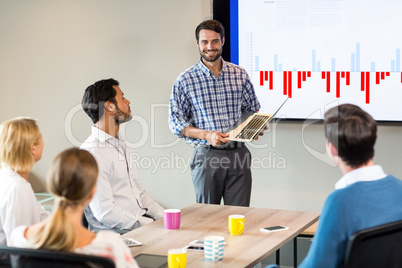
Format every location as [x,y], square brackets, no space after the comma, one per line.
[248,130]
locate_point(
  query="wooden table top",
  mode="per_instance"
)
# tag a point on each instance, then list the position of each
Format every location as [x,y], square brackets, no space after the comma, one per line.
[201,220]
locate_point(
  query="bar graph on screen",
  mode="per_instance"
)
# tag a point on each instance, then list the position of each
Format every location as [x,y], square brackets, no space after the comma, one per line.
[320,53]
[267,76]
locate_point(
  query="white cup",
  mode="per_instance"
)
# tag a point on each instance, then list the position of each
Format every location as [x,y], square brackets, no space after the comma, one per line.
[213,248]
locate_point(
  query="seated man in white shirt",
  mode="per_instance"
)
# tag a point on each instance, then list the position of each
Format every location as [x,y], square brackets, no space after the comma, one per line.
[121,202]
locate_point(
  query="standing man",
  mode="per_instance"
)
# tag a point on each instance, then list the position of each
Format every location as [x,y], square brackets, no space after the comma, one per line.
[121,202]
[207,99]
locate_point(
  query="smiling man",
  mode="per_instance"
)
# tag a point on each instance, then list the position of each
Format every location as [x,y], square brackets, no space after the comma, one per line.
[206,101]
[121,202]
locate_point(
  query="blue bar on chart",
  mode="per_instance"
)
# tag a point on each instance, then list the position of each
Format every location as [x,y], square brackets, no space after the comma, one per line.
[257,63]
[333,65]
[398,60]
[357,57]
[280,67]
[313,64]
[372,66]
[392,65]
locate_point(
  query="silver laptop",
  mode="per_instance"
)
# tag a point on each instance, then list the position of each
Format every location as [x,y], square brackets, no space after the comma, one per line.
[252,126]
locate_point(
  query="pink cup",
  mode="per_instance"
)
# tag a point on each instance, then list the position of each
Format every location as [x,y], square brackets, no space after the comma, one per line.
[171,218]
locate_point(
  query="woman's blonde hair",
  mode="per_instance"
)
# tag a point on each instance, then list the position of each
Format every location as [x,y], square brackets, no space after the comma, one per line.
[16,137]
[71,179]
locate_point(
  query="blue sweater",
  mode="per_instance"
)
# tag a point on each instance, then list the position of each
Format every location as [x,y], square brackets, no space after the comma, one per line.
[359,206]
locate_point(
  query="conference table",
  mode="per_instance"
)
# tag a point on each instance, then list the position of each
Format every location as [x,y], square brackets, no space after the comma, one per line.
[201,220]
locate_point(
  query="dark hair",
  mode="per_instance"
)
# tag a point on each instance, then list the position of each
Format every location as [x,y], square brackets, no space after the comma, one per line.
[96,95]
[353,132]
[213,25]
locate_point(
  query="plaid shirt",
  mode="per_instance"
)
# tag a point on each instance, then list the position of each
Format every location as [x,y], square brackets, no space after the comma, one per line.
[201,100]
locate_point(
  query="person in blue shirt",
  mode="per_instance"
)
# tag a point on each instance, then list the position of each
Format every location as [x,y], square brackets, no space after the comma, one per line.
[207,100]
[364,197]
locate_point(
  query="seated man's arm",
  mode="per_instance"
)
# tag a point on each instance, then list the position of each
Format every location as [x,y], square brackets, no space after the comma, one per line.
[154,209]
[330,240]
[105,207]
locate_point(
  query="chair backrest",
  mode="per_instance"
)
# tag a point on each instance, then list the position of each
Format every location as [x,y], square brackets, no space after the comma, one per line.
[27,258]
[380,246]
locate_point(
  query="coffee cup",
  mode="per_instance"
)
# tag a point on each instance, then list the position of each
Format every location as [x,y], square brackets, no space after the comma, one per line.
[171,218]
[177,258]
[213,248]
[236,224]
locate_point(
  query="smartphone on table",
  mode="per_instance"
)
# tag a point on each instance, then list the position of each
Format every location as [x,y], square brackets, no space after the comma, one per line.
[196,245]
[275,228]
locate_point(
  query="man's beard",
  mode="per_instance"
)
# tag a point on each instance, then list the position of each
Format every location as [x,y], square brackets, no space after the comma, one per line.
[121,117]
[217,56]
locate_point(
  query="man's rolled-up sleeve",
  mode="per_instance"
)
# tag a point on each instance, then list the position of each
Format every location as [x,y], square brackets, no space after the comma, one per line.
[179,109]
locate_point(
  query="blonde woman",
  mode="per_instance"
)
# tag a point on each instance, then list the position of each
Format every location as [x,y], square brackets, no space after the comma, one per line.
[21,146]
[72,180]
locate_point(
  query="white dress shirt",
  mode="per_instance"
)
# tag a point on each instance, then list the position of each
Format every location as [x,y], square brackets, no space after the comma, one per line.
[371,173]
[120,200]
[18,204]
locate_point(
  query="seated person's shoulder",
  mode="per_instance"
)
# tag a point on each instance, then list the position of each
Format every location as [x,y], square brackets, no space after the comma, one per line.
[90,143]
[17,238]
[108,235]
[102,153]
[18,187]
[397,180]
[104,240]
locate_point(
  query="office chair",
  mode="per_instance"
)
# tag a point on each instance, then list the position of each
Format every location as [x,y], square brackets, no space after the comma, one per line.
[84,221]
[32,258]
[380,246]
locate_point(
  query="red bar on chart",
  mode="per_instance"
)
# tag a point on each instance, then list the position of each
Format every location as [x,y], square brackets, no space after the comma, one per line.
[367,87]
[377,77]
[285,83]
[382,75]
[328,82]
[362,81]
[304,75]
[387,74]
[261,78]
[323,75]
[271,80]
[299,79]
[347,78]
[290,84]
[309,74]
[338,84]
[343,74]
[266,75]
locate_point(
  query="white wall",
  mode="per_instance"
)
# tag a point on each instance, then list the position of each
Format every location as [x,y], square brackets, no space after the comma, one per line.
[50,51]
